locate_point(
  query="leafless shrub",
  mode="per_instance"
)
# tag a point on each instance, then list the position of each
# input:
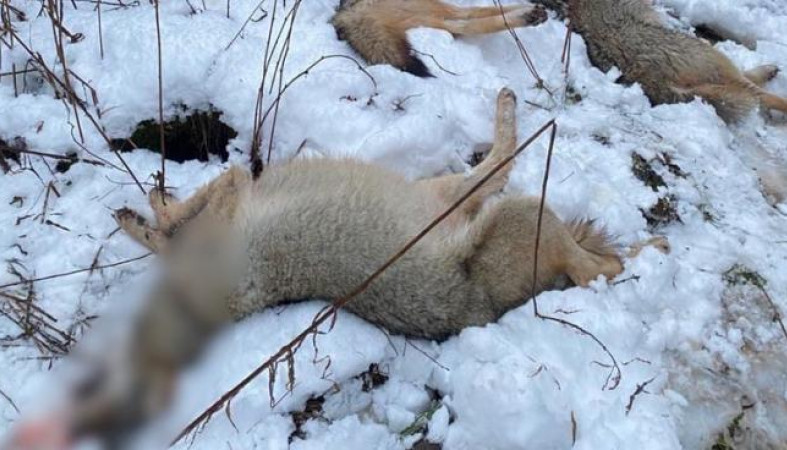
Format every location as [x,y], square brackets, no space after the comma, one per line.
[62,83]
[277,49]
[531,67]
[35,324]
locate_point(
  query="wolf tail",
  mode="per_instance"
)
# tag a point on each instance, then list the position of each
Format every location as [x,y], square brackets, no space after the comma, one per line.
[592,238]
[375,40]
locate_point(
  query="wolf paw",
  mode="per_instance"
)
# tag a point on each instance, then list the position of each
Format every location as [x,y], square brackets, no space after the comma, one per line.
[660,243]
[506,97]
[770,71]
[535,15]
[127,216]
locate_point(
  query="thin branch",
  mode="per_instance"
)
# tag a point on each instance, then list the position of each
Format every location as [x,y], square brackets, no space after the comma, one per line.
[531,67]
[249,19]
[73,158]
[58,30]
[10,401]
[74,272]
[162,176]
[100,31]
[615,375]
[306,71]
[56,83]
[640,390]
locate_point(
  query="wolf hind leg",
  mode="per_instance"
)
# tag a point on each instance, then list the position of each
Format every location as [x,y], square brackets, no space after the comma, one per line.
[660,243]
[500,250]
[732,101]
[772,101]
[452,187]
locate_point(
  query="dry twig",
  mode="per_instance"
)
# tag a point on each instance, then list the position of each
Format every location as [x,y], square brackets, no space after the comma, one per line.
[162,176]
[74,272]
[615,375]
[59,85]
[531,67]
[640,390]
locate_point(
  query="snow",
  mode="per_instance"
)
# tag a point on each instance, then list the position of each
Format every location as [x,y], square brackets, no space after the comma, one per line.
[707,348]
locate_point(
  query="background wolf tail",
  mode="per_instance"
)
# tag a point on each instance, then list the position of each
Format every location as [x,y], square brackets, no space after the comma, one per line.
[374,40]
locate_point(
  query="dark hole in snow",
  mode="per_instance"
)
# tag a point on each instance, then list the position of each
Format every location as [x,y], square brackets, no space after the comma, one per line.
[63,165]
[423,444]
[187,136]
[10,151]
[573,96]
[709,34]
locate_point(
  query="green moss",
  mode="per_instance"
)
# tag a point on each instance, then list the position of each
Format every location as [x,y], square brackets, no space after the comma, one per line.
[722,444]
[741,275]
[422,420]
[733,429]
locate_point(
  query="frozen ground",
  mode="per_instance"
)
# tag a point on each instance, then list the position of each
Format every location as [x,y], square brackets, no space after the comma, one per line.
[702,343]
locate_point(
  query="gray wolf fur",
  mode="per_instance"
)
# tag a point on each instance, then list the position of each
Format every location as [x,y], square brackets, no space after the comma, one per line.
[671,66]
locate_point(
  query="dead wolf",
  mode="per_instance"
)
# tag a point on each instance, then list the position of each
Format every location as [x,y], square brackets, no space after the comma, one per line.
[315,229]
[377,29]
[671,66]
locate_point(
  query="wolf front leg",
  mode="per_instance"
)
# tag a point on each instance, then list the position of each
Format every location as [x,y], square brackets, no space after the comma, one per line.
[138,229]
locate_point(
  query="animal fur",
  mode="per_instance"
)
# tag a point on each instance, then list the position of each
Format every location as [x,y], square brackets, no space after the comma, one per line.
[377,29]
[671,66]
[316,229]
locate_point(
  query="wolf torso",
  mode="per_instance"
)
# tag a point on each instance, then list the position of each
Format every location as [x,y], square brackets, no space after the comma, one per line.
[317,229]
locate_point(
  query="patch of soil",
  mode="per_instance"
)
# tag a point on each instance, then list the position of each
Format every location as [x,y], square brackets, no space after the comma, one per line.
[662,213]
[644,172]
[195,135]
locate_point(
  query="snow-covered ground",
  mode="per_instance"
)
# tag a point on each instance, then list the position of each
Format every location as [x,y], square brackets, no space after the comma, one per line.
[692,331]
